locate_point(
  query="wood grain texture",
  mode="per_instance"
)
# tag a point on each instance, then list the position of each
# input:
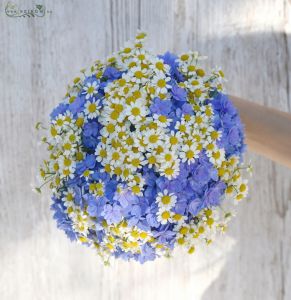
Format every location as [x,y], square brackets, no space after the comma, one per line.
[38,57]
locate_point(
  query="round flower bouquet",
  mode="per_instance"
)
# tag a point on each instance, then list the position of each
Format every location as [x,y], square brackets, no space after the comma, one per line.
[145,155]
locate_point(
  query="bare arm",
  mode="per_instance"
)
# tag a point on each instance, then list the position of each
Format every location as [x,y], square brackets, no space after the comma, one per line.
[268,131]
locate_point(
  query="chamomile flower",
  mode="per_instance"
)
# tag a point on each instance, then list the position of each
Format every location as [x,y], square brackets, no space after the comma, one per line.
[189,153]
[68,198]
[136,160]
[153,138]
[138,75]
[213,135]
[66,162]
[80,223]
[59,122]
[174,139]
[151,159]
[167,157]
[158,66]
[116,157]
[164,216]
[166,200]
[68,147]
[243,189]
[162,120]
[66,173]
[92,109]
[182,127]
[196,86]
[161,82]
[101,152]
[90,89]
[217,156]
[136,111]
[170,171]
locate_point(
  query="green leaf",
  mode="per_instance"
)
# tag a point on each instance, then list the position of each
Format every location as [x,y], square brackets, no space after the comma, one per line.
[37,125]
[227,215]
[38,190]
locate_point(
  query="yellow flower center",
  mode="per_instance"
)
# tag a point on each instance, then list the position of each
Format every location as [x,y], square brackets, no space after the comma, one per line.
[166,199]
[110,128]
[80,122]
[117,171]
[165,215]
[135,162]
[153,138]
[168,157]
[135,189]
[182,128]
[173,140]
[135,111]
[169,171]
[103,153]
[90,90]
[160,65]
[163,119]
[191,68]
[242,187]
[92,107]
[115,156]
[152,160]
[67,162]
[161,83]
[53,131]
[189,154]
[67,146]
[200,72]
[138,74]
[114,115]
[184,57]
[60,122]
[216,155]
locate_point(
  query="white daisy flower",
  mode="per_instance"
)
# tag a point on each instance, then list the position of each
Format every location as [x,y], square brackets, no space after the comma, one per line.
[189,153]
[69,147]
[67,172]
[162,121]
[161,82]
[90,89]
[166,200]
[167,157]
[217,156]
[116,157]
[66,162]
[92,109]
[158,65]
[164,216]
[153,138]
[174,140]
[151,159]
[138,75]
[137,110]
[136,161]
[59,122]
[182,127]
[80,223]
[170,170]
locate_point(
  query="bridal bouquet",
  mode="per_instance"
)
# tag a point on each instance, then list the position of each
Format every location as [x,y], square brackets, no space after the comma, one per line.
[145,155]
